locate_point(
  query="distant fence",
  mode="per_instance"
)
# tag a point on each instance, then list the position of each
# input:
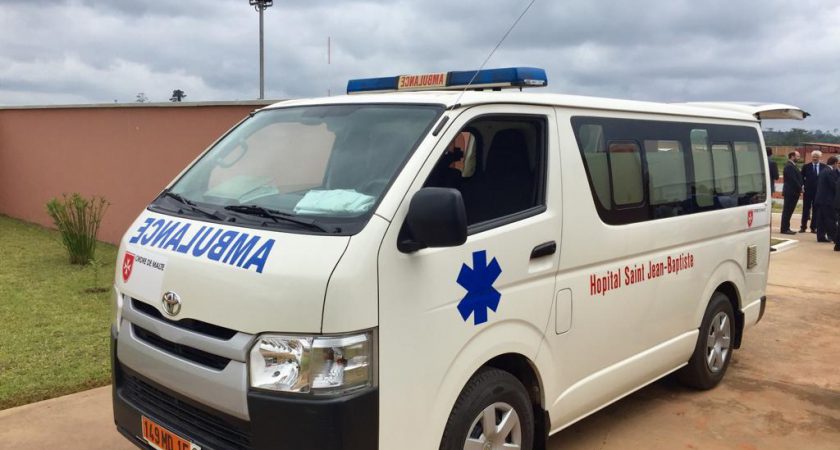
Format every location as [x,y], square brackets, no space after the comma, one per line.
[125,153]
[805,149]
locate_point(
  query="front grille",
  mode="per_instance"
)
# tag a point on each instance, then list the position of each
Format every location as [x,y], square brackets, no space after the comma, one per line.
[197,326]
[185,419]
[193,354]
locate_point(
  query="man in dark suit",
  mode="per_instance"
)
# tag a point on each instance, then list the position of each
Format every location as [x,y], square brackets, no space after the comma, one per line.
[773,170]
[837,211]
[810,174]
[824,201]
[791,189]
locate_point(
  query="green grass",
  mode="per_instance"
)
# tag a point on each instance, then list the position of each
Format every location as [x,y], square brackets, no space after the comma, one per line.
[780,162]
[777,208]
[53,332]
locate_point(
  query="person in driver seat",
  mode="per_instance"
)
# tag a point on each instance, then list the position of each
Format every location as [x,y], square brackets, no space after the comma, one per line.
[449,171]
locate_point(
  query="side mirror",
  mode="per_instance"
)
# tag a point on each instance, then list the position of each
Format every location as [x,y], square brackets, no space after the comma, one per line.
[436,218]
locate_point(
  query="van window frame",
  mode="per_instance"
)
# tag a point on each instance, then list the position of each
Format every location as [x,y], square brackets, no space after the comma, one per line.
[541,176]
[640,129]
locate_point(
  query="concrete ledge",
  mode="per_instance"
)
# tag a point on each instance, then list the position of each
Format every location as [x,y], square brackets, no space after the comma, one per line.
[785,245]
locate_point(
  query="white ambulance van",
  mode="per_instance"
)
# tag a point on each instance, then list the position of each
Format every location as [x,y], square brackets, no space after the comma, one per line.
[457,267]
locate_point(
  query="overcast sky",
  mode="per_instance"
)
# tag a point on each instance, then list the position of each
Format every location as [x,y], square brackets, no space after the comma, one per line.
[98,51]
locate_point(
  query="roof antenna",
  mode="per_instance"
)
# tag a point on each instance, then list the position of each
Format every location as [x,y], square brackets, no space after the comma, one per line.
[493,51]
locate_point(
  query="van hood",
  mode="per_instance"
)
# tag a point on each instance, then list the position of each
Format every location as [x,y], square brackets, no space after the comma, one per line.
[245,279]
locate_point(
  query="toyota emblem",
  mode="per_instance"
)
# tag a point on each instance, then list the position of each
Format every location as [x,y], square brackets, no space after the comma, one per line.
[171,303]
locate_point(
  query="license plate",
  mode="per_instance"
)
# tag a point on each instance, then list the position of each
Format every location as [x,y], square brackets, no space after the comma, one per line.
[163,439]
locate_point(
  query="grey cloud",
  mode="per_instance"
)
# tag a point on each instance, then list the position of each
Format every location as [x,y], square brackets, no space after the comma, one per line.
[665,51]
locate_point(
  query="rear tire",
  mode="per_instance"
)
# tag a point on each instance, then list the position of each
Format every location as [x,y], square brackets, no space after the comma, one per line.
[713,351]
[496,400]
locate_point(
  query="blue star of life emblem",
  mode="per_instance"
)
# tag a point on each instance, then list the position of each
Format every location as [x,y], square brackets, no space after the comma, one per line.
[478,281]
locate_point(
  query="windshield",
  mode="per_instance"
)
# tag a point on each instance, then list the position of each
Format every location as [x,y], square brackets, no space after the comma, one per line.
[313,168]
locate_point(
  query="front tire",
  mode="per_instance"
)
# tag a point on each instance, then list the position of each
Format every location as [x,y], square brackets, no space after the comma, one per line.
[492,412]
[713,351]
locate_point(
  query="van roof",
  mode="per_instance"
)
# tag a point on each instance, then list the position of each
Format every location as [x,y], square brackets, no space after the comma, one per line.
[719,110]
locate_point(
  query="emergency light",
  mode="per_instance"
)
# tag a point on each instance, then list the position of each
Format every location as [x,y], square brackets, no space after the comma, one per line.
[511,77]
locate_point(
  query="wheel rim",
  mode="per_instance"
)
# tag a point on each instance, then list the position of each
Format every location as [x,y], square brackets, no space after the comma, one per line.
[496,427]
[718,342]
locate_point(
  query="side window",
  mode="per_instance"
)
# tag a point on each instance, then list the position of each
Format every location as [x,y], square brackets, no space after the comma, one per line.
[666,170]
[724,168]
[498,165]
[594,148]
[704,175]
[626,173]
[750,167]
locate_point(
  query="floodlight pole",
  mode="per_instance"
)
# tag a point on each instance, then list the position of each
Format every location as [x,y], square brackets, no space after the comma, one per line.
[261,6]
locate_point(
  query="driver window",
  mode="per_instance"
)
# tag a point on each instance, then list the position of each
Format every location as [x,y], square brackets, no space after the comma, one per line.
[497,163]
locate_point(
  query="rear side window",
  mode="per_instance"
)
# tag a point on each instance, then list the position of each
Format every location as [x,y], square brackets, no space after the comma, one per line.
[666,166]
[724,167]
[750,168]
[645,170]
[626,173]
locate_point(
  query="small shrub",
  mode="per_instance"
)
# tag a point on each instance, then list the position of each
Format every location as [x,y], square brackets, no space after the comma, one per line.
[96,268]
[78,219]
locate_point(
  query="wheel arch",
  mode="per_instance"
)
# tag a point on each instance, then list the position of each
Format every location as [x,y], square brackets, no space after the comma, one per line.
[527,373]
[510,346]
[729,280]
[731,292]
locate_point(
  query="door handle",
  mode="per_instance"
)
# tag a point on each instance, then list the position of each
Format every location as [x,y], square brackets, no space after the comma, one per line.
[544,249]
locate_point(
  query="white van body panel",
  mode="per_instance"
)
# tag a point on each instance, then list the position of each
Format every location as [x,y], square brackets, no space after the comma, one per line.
[288,296]
[752,313]
[350,305]
[645,326]
[604,387]
[427,351]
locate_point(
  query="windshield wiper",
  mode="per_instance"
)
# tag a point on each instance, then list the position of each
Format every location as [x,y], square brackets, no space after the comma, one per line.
[273,214]
[180,199]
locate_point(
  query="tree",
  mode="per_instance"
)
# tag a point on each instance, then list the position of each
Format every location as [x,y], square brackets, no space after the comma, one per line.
[141,97]
[797,136]
[177,95]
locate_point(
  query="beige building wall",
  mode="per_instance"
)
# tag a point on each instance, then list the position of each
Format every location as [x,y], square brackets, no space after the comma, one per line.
[126,153]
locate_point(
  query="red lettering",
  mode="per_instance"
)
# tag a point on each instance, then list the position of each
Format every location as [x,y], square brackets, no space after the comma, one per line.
[655,270]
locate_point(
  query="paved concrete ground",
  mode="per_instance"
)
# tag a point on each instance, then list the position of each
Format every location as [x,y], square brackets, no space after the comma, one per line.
[782,390]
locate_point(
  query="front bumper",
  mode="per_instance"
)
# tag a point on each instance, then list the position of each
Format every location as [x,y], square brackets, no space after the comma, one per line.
[276,422]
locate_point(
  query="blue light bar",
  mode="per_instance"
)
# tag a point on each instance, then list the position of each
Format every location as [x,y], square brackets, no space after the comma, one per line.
[511,77]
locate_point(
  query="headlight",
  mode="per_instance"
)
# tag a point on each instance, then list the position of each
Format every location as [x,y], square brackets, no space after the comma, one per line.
[312,364]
